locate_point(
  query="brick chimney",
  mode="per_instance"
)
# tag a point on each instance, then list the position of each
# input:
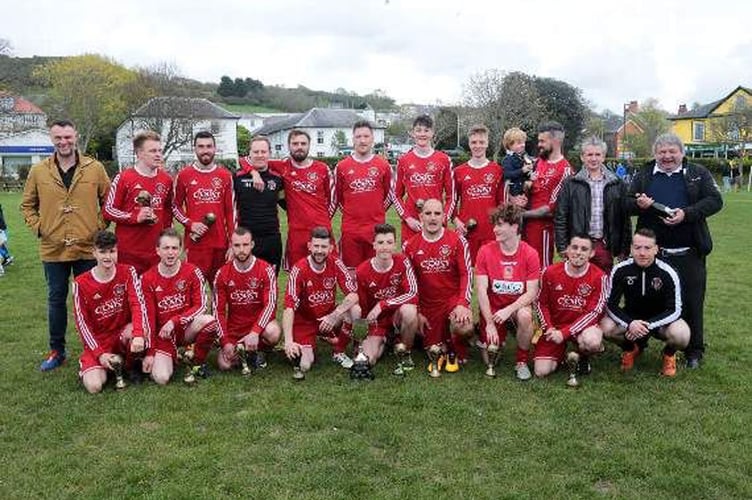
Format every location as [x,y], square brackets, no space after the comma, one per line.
[633,107]
[682,109]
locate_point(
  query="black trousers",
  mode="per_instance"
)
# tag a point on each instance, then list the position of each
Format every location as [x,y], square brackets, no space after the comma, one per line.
[269,248]
[693,276]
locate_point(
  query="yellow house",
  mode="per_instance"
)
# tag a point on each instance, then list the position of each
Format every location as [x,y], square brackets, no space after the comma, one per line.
[715,128]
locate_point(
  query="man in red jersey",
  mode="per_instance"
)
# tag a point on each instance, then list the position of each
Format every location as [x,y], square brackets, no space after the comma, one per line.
[479,184]
[387,295]
[422,173]
[176,304]
[205,205]
[309,194]
[551,169]
[442,264]
[110,314]
[362,184]
[570,303]
[140,203]
[506,282]
[310,305]
[245,303]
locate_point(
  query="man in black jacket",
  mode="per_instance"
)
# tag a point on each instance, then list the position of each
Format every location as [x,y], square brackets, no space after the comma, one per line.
[593,202]
[674,198]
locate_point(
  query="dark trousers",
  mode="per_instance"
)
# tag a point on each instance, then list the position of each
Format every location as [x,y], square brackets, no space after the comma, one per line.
[693,276]
[269,248]
[57,275]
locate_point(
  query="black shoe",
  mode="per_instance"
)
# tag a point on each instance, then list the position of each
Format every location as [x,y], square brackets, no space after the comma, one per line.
[693,363]
[583,366]
[136,374]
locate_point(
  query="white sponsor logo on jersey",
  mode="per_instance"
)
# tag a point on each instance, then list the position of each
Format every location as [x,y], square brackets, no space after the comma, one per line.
[321,297]
[504,287]
[479,191]
[207,195]
[109,308]
[434,265]
[422,179]
[571,302]
[172,302]
[306,187]
[243,296]
[363,185]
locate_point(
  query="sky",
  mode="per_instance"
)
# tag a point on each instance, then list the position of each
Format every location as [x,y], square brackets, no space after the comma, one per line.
[416,51]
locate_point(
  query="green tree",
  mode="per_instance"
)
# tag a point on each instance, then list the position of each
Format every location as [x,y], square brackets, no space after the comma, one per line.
[244,140]
[653,122]
[226,86]
[339,140]
[564,103]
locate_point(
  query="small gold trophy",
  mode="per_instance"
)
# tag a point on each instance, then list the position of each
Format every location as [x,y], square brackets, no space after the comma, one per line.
[209,219]
[117,367]
[573,359]
[242,353]
[434,353]
[144,200]
[187,358]
[493,356]
[471,225]
[419,204]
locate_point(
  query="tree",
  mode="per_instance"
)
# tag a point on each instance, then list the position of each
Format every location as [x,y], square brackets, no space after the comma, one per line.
[653,122]
[6,48]
[735,127]
[564,103]
[339,140]
[447,128]
[226,86]
[244,141]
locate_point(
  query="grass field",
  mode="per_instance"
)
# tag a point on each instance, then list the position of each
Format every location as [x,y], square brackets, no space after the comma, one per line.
[461,436]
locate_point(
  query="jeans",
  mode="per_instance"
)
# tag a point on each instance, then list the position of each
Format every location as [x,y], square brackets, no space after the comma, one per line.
[57,275]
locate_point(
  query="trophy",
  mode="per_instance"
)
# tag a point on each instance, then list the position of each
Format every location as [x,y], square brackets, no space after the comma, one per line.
[117,367]
[361,368]
[493,357]
[143,199]
[403,365]
[434,353]
[242,353]
[663,210]
[573,359]
[209,219]
[471,225]
[187,359]
[537,330]
[297,374]
[419,204]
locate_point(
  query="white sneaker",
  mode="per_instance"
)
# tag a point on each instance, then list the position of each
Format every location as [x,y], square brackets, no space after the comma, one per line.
[342,360]
[522,371]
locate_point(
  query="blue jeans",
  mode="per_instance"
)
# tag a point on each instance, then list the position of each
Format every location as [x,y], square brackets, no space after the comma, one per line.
[57,275]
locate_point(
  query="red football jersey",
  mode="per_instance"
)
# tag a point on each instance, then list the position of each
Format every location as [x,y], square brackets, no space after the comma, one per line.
[245,301]
[480,190]
[199,192]
[121,207]
[312,294]
[547,184]
[362,192]
[103,309]
[390,289]
[423,178]
[568,303]
[507,274]
[442,267]
[309,193]
[179,298]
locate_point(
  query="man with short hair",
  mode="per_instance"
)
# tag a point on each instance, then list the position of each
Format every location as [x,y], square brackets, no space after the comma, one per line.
[674,198]
[311,309]
[245,303]
[362,184]
[593,202]
[506,282]
[441,262]
[61,204]
[651,294]
[140,203]
[387,296]
[570,304]
[423,173]
[551,169]
[110,314]
[204,204]
[176,306]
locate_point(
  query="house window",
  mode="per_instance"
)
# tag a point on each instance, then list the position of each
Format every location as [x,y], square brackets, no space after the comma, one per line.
[278,147]
[320,154]
[320,137]
[698,132]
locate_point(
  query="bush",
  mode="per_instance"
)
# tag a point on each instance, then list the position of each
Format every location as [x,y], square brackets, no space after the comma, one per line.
[23,172]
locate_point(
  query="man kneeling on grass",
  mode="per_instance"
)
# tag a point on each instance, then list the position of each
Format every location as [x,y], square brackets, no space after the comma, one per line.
[175,302]
[110,315]
[310,305]
[570,303]
[652,305]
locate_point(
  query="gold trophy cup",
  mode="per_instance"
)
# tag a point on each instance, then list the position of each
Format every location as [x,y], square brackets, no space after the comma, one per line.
[242,353]
[573,359]
[209,219]
[143,199]
[117,367]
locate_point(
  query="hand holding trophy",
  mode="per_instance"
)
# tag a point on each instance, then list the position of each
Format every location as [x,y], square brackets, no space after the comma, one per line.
[208,220]
[143,199]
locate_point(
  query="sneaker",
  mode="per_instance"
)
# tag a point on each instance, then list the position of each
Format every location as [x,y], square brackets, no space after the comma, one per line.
[297,374]
[399,370]
[342,360]
[693,363]
[522,371]
[669,366]
[258,360]
[583,366]
[628,358]
[201,371]
[441,363]
[452,364]
[54,359]
[408,364]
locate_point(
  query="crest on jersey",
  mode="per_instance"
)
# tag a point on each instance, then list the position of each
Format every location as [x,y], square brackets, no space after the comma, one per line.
[373,172]
[313,176]
[180,285]
[272,184]
[119,289]
[656,283]
[445,250]
[395,279]
[584,289]
[253,283]
[431,167]
[508,272]
[488,178]
[160,188]
[329,283]
[216,182]
[631,280]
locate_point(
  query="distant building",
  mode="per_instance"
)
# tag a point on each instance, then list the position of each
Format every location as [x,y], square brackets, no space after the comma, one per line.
[24,138]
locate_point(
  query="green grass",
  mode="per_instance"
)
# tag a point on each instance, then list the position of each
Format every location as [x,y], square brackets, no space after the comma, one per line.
[249,108]
[633,436]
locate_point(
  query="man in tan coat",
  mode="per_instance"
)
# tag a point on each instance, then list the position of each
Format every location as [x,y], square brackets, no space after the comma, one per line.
[61,205]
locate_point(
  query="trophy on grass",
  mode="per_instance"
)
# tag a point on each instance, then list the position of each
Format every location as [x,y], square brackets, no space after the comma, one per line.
[361,368]
[573,359]
[187,359]
[117,367]
[209,219]
[493,357]
[242,353]
[143,199]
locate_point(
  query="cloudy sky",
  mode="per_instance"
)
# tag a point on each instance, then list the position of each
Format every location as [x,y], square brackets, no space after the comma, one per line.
[414,50]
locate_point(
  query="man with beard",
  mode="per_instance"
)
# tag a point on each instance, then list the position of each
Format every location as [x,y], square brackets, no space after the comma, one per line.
[551,169]
[140,203]
[245,303]
[310,305]
[309,193]
[362,184]
[61,202]
[441,262]
[257,209]
[570,304]
[422,173]
[205,205]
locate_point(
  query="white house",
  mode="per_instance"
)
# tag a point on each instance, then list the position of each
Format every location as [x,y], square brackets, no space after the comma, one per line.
[323,125]
[24,138]
[177,120]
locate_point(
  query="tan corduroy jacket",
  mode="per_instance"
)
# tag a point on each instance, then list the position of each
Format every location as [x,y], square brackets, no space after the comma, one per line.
[65,220]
